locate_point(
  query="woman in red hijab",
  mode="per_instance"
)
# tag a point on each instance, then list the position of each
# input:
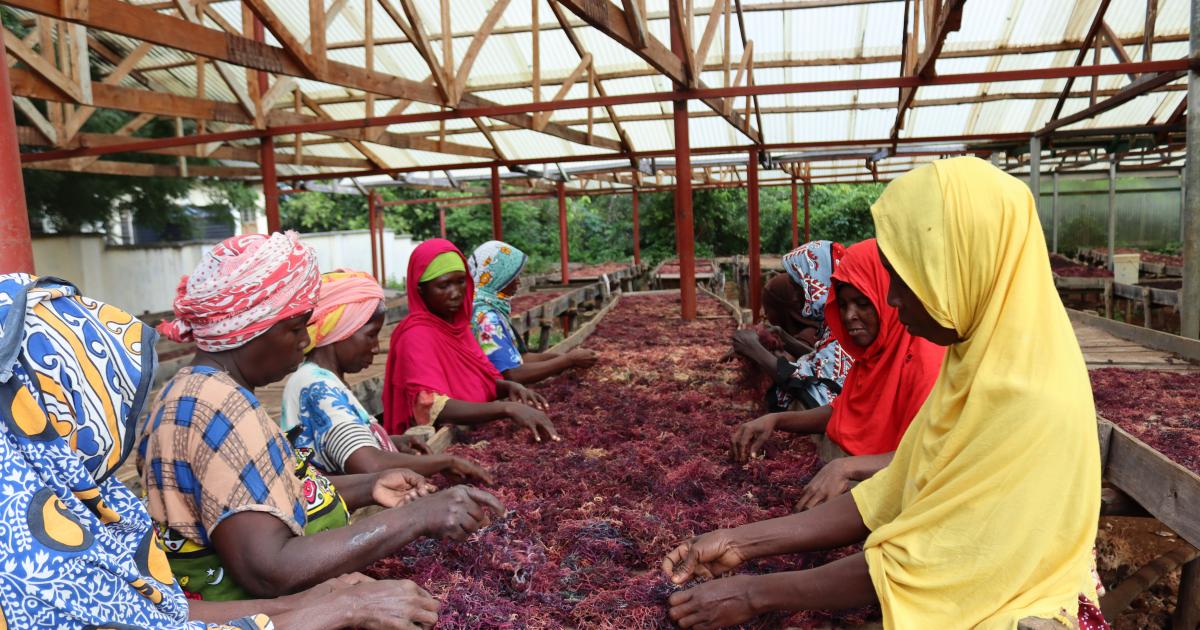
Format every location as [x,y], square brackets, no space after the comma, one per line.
[892,374]
[436,372]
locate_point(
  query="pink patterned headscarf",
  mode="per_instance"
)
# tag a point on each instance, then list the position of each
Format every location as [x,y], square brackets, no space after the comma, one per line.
[245,285]
[348,301]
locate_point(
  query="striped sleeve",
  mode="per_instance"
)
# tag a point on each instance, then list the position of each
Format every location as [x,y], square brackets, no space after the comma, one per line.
[343,439]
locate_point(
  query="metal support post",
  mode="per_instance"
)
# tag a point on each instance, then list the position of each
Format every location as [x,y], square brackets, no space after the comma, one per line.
[16,242]
[564,254]
[1054,216]
[1112,211]
[637,237]
[497,223]
[755,240]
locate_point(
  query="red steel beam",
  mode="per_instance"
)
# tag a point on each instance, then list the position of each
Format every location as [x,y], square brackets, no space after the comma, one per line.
[637,237]
[755,236]
[795,214]
[497,222]
[442,222]
[380,225]
[16,242]
[685,235]
[622,99]
[371,221]
[564,252]
[807,196]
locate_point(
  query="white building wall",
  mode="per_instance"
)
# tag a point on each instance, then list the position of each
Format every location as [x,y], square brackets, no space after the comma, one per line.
[142,278]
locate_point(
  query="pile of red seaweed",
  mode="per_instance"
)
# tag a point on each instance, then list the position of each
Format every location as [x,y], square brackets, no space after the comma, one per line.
[1159,408]
[643,465]
[528,301]
[1067,268]
[595,271]
[1146,257]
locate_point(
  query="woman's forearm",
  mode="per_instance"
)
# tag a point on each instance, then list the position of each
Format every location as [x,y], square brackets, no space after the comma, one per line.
[370,460]
[832,524]
[534,357]
[355,489]
[809,421]
[844,583]
[864,466]
[463,412]
[533,371]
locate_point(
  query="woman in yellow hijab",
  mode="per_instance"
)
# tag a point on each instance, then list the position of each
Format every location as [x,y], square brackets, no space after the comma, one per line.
[987,515]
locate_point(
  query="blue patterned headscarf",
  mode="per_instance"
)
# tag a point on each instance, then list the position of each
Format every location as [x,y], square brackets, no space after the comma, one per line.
[493,266]
[78,546]
[811,267]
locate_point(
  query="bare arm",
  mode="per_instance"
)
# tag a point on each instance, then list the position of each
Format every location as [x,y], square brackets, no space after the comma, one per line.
[531,372]
[809,421]
[370,459]
[749,438]
[268,560]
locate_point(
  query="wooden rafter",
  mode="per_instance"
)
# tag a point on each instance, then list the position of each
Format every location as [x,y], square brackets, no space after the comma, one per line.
[468,60]
[387,138]
[635,22]
[1093,32]
[715,15]
[613,24]
[1114,44]
[1148,30]
[56,77]
[540,119]
[580,50]
[1143,85]
[415,29]
[942,17]
[309,60]
[83,114]
[37,118]
[141,169]
[284,85]
[227,72]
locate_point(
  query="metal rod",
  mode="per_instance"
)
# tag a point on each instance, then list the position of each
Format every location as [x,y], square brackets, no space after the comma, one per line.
[564,251]
[1112,212]
[1035,171]
[497,223]
[382,225]
[1189,303]
[16,241]
[637,237]
[1054,216]
[795,213]
[371,221]
[755,237]
[807,217]
[442,222]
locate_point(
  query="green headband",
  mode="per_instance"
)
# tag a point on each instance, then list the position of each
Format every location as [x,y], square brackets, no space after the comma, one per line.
[442,264]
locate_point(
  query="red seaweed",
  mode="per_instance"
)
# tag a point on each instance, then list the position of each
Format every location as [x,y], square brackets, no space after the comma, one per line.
[1159,408]
[527,301]
[644,464]
[1067,268]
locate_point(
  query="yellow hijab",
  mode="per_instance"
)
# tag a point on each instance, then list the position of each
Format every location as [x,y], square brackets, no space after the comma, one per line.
[988,512]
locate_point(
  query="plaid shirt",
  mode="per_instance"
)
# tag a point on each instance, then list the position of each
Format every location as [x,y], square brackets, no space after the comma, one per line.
[210,452]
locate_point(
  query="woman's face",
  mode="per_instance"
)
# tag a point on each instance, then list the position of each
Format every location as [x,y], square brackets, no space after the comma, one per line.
[276,353]
[444,294]
[513,286]
[357,352]
[912,313]
[859,317]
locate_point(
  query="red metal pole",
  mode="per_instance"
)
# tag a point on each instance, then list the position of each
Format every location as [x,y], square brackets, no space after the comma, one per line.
[796,214]
[442,222]
[371,220]
[380,225]
[637,237]
[16,242]
[497,224]
[807,216]
[685,236]
[564,254]
[266,148]
[755,240]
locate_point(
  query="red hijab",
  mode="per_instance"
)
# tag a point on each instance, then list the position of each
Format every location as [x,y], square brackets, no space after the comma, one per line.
[429,354]
[891,377]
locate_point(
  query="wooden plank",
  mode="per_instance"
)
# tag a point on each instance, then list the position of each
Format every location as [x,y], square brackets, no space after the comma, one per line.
[481,36]
[140,169]
[400,141]
[35,116]
[294,47]
[541,118]
[710,32]
[1158,340]
[55,77]
[579,336]
[29,84]
[1170,492]
[416,30]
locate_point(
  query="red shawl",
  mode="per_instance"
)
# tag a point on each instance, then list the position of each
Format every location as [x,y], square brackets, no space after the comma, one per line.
[891,377]
[429,354]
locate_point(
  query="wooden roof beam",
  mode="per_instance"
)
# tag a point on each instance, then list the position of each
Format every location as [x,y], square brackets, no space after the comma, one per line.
[1114,44]
[468,60]
[1092,34]
[610,20]
[314,64]
[580,50]
[941,18]
[1143,85]
[414,28]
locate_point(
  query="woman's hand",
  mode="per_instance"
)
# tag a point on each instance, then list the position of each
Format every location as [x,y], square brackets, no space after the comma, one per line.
[716,604]
[518,393]
[457,512]
[390,605]
[410,445]
[750,436]
[833,479]
[746,343]
[534,420]
[582,359]
[398,486]
[459,468]
[705,556]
